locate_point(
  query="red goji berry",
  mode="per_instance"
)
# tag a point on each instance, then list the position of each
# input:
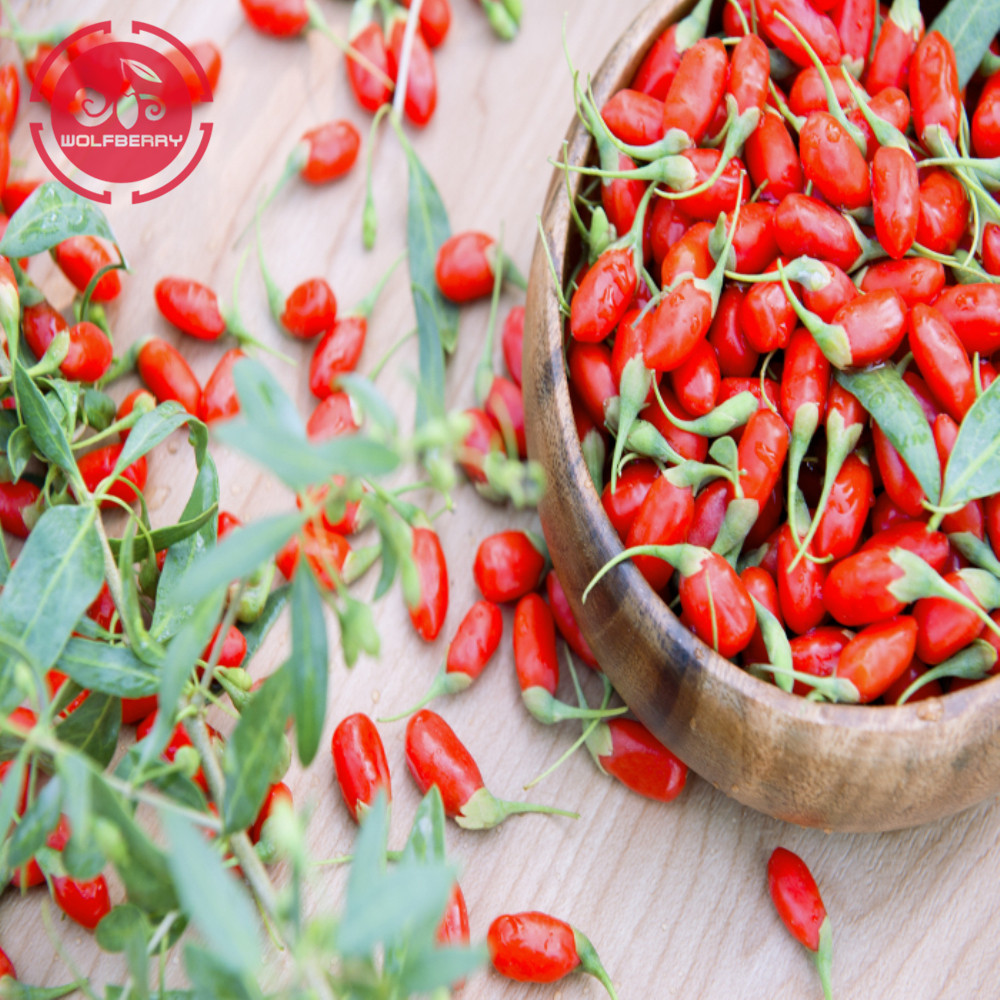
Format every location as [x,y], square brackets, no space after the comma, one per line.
[218,398]
[436,756]
[534,947]
[508,565]
[421,80]
[190,306]
[935,95]
[796,898]
[10,91]
[696,89]
[464,266]
[279,18]
[209,58]
[371,90]
[428,613]
[435,20]
[915,278]
[80,258]
[84,902]
[20,507]
[330,151]
[278,792]
[634,117]
[360,764]
[167,375]
[311,308]
[833,162]
[97,465]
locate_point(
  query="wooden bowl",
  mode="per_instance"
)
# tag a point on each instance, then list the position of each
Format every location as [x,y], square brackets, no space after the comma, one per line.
[837,767]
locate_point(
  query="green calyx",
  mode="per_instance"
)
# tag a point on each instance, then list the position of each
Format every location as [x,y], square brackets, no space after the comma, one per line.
[824,958]
[831,338]
[591,964]
[973,663]
[548,710]
[443,683]
[483,810]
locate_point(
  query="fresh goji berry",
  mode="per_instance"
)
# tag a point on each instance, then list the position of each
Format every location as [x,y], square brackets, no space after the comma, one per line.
[360,763]
[20,507]
[279,18]
[84,902]
[696,89]
[97,465]
[508,565]
[190,306]
[330,151]
[371,90]
[464,266]
[167,375]
[311,308]
[421,80]
[436,756]
[80,258]
[218,398]
[10,91]
[428,613]
[796,898]
[935,95]
[534,947]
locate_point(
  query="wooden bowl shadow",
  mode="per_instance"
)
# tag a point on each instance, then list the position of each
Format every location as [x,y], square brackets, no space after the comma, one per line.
[837,767]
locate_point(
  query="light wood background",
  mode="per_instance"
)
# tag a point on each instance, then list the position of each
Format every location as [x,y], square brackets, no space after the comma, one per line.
[673,897]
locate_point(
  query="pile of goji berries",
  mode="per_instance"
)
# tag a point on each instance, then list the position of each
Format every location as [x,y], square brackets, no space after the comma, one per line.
[783,328]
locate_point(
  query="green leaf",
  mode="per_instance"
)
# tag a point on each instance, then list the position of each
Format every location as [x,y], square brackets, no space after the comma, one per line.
[254,750]
[970,26]
[426,841]
[409,897]
[173,601]
[117,992]
[127,929]
[299,463]
[216,902]
[151,429]
[149,543]
[213,980]
[119,926]
[38,821]
[430,969]
[46,431]
[82,856]
[427,228]
[262,399]
[140,864]
[372,403]
[309,663]
[238,555]
[10,792]
[50,214]
[884,394]
[99,409]
[974,467]
[256,633]
[93,727]
[58,575]
[20,448]
[182,652]
[100,666]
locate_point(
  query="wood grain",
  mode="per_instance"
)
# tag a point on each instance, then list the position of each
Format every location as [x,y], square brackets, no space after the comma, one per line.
[674,898]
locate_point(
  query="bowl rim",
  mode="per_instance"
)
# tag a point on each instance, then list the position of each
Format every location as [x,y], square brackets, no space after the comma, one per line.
[555,219]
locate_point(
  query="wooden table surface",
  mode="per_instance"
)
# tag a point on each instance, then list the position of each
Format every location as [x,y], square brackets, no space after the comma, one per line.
[674,897]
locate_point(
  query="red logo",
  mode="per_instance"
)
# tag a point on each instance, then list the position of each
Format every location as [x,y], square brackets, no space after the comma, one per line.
[121,112]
